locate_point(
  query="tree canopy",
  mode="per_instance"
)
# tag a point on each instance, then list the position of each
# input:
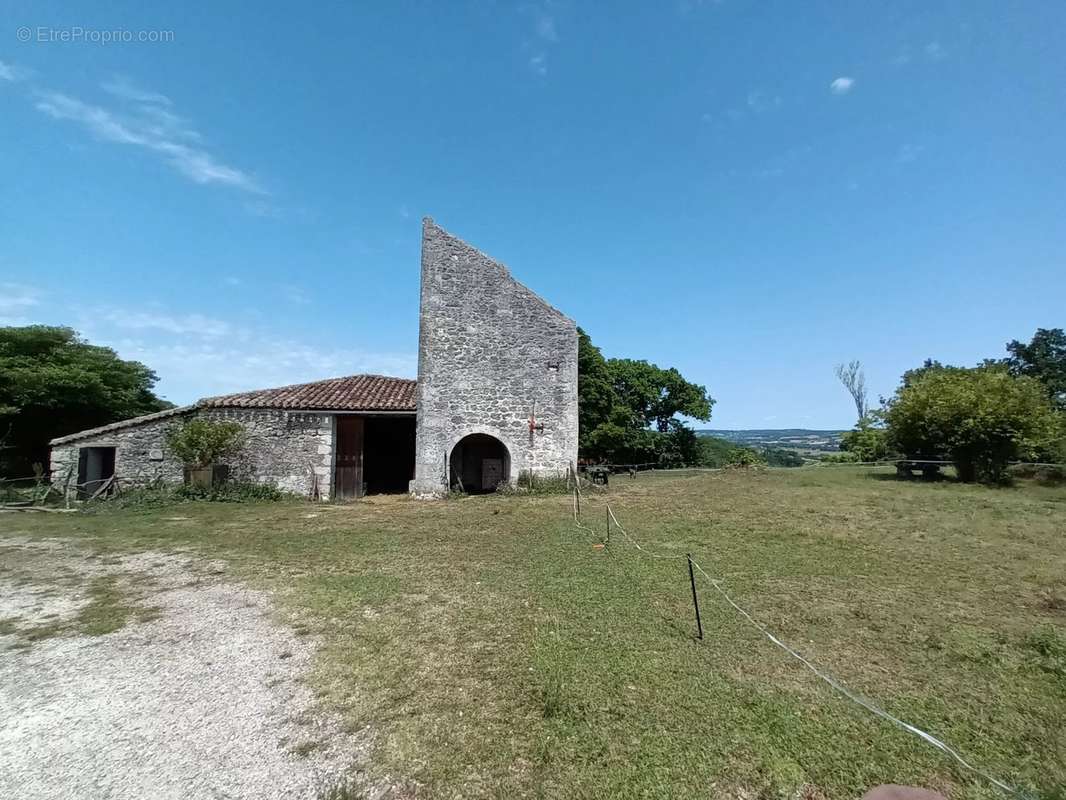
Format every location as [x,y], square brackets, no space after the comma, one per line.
[1043,358]
[53,383]
[628,409]
[980,418]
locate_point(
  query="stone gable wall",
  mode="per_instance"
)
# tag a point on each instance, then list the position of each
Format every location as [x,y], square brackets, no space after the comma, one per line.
[489,349]
[283,449]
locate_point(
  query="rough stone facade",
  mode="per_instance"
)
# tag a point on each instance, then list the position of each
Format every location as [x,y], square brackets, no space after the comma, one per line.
[292,451]
[491,354]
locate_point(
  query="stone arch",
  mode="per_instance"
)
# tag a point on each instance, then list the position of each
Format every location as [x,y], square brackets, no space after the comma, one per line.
[478,462]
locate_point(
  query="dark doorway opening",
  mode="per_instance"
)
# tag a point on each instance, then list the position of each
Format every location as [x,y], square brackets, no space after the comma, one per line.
[479,463]
[96,466]
[348,469]
[389,454]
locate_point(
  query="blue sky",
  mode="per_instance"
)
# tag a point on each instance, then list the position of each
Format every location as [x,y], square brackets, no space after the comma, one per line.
[751,192]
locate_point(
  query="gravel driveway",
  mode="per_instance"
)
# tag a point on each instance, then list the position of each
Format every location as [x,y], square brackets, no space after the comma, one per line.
[205,700]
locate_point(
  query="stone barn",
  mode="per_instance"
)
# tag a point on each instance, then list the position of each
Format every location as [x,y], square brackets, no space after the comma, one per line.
[496,397]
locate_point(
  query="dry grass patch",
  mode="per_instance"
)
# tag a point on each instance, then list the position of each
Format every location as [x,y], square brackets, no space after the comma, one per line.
[495,652]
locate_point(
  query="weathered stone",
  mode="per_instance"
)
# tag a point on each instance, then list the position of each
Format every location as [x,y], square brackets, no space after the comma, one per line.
[493,359]
[281,449]
[491,353]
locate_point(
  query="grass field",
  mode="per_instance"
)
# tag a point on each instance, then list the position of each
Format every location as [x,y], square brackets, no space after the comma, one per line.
[496,651]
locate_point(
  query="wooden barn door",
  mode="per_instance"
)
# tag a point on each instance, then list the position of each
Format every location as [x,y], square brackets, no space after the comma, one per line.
[348,478]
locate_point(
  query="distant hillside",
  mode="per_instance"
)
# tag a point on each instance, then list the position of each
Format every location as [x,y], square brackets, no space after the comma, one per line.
[787,438]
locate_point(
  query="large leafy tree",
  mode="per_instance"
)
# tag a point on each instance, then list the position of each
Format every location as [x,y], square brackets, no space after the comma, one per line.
[53,383]
[980,418]
[628,409]
[1043,358]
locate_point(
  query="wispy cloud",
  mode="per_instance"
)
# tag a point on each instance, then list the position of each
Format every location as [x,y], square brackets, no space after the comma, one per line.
[123,87]
[842,85]
[545,35]
[935,52]
[759,102]
[908,153]
[12,73]
[15,295]
[295,294]
[183,324]
[538,62]
[546,27]
[15,300]
[189,370]
[152,126]
[931,51]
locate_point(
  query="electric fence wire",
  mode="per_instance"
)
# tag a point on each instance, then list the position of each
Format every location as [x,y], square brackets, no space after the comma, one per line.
[830,680]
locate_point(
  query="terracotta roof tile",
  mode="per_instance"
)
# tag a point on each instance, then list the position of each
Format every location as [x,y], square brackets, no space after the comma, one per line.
[353,393]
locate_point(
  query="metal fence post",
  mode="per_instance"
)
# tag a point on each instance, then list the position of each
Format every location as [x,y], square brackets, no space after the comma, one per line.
[695,600]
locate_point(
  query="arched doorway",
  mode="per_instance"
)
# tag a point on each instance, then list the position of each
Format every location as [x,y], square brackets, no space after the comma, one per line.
[479,463]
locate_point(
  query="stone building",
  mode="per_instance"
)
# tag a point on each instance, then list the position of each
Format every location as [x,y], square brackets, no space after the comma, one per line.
[496,396]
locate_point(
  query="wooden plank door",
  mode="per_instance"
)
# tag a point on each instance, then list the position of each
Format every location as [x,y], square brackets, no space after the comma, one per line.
[348,476]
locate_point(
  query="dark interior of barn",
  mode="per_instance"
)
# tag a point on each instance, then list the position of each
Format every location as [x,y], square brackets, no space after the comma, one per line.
[388,454]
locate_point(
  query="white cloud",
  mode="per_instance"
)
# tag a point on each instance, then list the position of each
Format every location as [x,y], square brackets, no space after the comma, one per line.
[908,153]
[16,296]
[9,72]
[546,28]
[760,102]
[154,129]
[189,370]
[543,37]
[123,87]
[184,325]
[842,85]
[934,52]
[538,62]
[295,294]
[15,300]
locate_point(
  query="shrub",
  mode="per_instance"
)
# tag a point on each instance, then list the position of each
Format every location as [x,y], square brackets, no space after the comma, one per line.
[1049,474]
[231,493]
[161,494]
[868,441]
[745,457]
[980,418]
[200,443]
[839,458]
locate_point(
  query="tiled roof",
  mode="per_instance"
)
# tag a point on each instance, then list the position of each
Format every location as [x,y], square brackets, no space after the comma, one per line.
[353,393]
[126,423]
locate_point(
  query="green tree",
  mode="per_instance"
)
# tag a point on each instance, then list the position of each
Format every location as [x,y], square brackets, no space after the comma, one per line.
[656,395]
[980,418]
[868,440]
[53,383]
[628,409]
[1043,358]
[202,442]
[594,390]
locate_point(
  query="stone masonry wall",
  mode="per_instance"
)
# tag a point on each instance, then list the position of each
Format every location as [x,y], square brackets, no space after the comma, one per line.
[488,350]
[283,449]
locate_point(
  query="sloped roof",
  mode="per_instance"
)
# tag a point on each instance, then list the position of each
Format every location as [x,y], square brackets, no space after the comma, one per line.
[126,423]
[352,393]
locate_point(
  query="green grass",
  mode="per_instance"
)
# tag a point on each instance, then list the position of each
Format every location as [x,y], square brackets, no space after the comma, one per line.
[495,651]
